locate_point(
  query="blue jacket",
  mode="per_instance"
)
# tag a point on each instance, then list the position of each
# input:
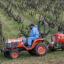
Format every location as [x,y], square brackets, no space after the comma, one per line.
[34,32]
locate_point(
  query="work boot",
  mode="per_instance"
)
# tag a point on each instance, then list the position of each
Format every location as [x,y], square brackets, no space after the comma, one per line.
[29,46]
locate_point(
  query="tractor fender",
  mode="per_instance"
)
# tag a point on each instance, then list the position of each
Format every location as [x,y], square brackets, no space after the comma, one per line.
[38,41]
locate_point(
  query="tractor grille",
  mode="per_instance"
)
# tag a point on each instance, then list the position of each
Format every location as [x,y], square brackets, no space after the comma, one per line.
[13,44]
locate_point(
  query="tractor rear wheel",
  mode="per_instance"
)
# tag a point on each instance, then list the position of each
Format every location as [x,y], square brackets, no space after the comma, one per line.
[40,49]
[14,54]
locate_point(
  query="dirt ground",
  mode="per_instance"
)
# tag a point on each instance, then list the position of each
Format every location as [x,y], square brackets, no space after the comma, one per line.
[35,60]
[25,58]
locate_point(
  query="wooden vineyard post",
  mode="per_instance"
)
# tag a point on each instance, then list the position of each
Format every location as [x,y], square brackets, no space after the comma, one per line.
[1,38]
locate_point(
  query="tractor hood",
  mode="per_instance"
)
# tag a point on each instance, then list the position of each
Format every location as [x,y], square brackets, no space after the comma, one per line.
[14,40]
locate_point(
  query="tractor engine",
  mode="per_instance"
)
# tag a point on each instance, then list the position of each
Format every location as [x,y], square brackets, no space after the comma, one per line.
[58,37]
[12,43]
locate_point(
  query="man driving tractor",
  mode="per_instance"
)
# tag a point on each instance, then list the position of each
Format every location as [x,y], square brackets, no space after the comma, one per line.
[34,34]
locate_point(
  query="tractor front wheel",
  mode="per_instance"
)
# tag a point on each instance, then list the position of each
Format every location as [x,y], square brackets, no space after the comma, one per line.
[14,54]
[40,49]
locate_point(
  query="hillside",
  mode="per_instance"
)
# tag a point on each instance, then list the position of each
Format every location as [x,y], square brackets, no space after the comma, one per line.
[13,12]
[10,25]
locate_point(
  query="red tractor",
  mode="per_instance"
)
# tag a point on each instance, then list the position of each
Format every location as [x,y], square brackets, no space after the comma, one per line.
[57,41]
[39,47]
[14,46]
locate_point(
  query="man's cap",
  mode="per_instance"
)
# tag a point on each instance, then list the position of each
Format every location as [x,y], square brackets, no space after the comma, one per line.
[31,25]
